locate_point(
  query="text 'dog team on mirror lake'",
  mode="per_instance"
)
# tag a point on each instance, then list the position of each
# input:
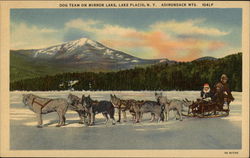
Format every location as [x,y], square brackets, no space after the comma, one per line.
[134,5]
[106,5]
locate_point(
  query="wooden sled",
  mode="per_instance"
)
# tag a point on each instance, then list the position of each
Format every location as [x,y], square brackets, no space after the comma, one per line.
[206,109]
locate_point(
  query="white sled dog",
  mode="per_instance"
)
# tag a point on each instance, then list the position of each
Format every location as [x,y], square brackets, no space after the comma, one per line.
[173,104]
[41,106]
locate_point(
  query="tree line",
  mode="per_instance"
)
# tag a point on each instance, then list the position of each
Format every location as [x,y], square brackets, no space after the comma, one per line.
[162,76]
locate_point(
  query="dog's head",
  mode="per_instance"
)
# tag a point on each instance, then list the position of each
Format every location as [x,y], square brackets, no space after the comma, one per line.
[158,96]
[26,98]
[87,102]
[115,100]
[77,107]
[75,103]
[73,100]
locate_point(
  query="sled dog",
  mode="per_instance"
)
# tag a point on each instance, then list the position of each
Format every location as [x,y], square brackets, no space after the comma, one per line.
[148,106]
[41,106]
[122,106]
[94,107]
[173,104]
[131,105]
[76,104]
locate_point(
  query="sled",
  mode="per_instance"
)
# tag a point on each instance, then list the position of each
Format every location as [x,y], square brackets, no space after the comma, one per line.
[207,109]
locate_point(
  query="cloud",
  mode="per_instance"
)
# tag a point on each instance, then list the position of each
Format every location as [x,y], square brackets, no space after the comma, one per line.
[98,29]
[165,46]
[88,25]
[25,36]
[162,39]
[188,27]
[175,40]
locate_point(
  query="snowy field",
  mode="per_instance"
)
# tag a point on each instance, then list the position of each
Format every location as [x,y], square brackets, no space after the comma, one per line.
[191,133]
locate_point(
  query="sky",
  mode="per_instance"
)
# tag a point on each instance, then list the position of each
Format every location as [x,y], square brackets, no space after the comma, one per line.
[180,34]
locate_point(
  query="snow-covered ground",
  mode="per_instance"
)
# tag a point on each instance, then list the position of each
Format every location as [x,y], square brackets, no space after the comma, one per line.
[191,133]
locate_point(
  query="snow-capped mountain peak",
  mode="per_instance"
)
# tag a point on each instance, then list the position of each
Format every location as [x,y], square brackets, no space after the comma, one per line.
[82,42]
[79,42]
[88,52]
[69,47]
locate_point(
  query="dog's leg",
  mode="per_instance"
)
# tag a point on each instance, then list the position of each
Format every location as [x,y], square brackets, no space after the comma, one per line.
[152,117]
[39,120]
[81,117]
[133,118]
[89,121]
[106,117]
[124,116]
[180,115]
[176,114]
[119,115]
[167,113]
[113,119]
[60,116]
[140,116]
[158,117]
[85,120]
[92,119]
[162,116]
[64,120]
[111,115]
[38,112]
[165,116]
[63,116]
[91,116]
[137,117]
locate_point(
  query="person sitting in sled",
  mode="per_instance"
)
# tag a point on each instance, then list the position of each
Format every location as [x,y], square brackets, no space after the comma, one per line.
[204,100]
[206,93]
[223,93]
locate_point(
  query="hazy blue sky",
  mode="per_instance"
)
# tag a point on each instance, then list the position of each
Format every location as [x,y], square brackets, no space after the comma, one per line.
[178,34]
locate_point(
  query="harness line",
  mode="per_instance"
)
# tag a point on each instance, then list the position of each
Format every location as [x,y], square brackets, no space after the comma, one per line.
[42,105]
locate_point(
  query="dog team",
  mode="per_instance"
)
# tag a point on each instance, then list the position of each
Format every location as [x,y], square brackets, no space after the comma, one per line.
[87,108]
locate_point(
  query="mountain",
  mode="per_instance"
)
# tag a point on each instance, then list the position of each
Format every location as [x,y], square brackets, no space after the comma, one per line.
[205,58]
[74,56]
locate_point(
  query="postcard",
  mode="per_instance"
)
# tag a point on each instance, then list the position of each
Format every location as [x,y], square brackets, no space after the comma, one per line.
[124,78]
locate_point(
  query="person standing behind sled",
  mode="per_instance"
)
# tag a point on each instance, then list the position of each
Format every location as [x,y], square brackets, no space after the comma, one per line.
[222,87]
[206,93]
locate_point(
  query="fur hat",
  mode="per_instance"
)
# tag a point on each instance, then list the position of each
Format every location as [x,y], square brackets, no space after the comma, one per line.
[224,76]
[206,85]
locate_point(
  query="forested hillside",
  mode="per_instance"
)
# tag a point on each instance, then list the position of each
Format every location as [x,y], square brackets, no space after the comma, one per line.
[180,76]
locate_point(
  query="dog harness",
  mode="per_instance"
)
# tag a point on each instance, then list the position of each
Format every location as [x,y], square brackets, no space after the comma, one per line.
[42,105]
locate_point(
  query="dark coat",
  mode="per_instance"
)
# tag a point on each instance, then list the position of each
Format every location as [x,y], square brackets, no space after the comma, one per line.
[206,94]
[224,88]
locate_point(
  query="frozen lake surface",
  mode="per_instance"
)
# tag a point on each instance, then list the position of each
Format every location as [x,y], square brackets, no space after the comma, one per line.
[191,133]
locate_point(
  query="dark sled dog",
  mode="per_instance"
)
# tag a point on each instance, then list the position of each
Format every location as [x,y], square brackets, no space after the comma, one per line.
[94,107]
